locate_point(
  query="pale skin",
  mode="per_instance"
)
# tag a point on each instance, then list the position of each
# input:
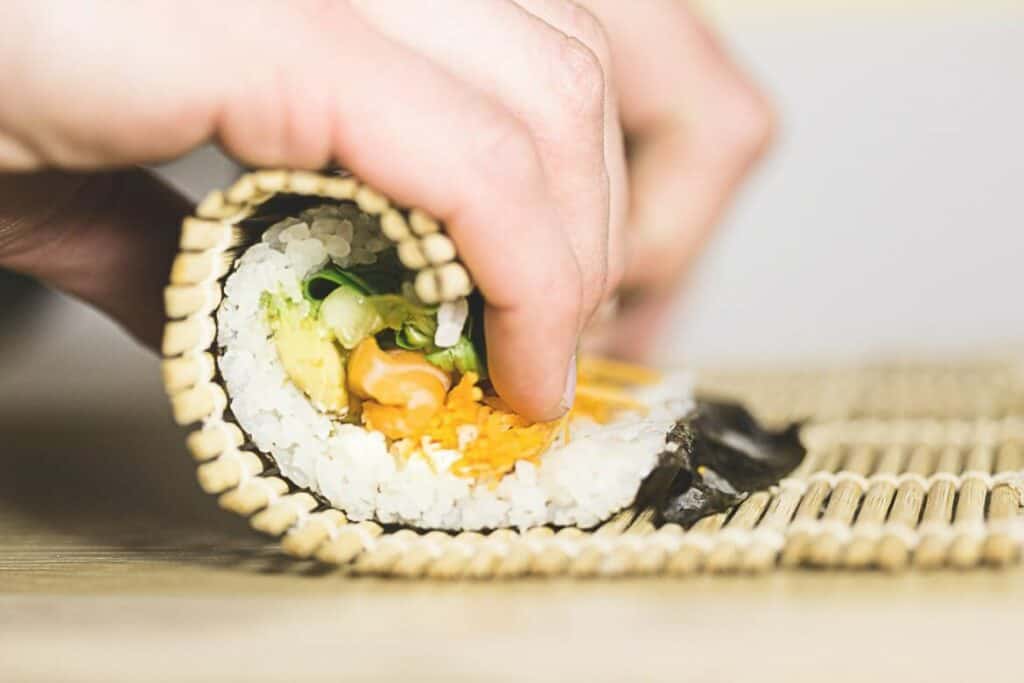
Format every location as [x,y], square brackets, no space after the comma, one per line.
[506,119]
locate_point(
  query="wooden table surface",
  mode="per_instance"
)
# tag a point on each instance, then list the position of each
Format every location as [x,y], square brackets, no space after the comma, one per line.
[113,566]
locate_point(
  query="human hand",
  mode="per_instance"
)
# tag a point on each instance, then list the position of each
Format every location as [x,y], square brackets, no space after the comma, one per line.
[489,114]
[695,126]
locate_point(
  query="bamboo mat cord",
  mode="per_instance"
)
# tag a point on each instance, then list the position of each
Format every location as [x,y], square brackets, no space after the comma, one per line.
[253,495]
[938,511]
[694,547]
[907,466]
[801,530]
[969,528]
[826,546]
[215,437]
[768,538]
[348,543]
[628,548]
[514,552]
[898,539]
[1000,548]
[495,547]
[451,562]
[867,530]
[651,556]
[284,513]
[306,536]
[725,555]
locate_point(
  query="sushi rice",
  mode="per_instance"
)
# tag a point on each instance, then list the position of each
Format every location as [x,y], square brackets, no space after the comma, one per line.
[581,482]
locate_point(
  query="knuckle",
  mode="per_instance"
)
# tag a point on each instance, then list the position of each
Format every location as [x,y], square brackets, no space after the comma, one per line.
[504,151]
[748,122]
[583,24]
[614,277]
[580,80]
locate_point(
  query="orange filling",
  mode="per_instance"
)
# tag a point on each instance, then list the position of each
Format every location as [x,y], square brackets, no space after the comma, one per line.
[502,437]
[401,390]
[406,398]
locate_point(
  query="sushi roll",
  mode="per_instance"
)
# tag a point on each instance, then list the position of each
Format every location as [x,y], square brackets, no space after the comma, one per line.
[329,346]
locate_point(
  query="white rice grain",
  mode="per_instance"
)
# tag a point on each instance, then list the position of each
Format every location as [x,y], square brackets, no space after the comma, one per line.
[581,483]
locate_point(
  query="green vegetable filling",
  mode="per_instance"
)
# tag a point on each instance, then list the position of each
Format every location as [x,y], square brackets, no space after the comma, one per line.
[362,302]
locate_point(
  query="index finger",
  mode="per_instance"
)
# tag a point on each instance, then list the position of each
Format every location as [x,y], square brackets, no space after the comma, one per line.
[428,140]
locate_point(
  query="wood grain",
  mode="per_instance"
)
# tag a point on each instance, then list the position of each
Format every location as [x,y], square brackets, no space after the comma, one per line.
[112,557]
[115,567]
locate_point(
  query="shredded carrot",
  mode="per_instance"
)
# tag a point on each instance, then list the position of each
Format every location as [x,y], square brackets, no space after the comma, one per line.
[503,437]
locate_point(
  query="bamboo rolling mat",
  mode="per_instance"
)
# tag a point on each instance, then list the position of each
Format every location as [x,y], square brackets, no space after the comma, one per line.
[906,466]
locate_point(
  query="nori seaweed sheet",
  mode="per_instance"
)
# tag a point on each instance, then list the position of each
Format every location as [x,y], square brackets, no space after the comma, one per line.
[714,458]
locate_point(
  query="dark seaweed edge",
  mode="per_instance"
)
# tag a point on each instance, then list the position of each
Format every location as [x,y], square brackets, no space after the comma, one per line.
[714,458]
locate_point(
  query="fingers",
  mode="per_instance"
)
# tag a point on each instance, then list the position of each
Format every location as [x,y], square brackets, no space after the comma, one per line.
[696,126]
[138,96]
[577,22]
[428,140]
[638,324]
[105,238]
[554,85]
[552,82]
[300,83]
[683,179]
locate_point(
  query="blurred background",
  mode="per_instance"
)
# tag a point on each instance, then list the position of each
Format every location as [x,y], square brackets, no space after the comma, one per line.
[886,222]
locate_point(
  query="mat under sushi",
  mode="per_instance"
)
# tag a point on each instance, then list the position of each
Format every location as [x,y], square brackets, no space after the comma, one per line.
[366,384]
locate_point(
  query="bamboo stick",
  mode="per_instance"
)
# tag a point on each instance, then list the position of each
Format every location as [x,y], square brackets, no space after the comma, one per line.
[349,543]
[798,543]
[693,549]
[1001,549]
[938,513]
[769,535]
[969,516]
[282,514]
[424,549]
[305,538]
[725,556]
[893,549]
[825,548]
[862,548]
[253,495]
[454,561]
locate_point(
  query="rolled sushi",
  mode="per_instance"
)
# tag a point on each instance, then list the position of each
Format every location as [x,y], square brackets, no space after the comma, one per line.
[349,348]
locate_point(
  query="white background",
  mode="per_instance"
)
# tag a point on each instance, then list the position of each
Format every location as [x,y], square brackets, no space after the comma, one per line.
[889,218]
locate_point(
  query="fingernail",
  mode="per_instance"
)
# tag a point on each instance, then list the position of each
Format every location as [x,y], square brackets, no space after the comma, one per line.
[569,395]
